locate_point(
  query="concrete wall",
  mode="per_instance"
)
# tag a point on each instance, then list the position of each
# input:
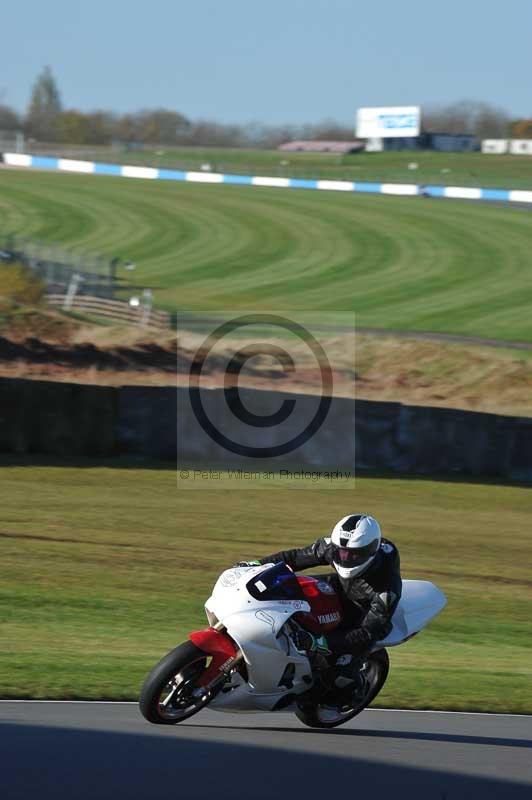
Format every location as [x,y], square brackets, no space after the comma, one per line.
[77,420]
[56,418]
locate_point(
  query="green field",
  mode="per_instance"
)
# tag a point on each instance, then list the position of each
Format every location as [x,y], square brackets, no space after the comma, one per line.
[105,569]
[408,263]
[451,169]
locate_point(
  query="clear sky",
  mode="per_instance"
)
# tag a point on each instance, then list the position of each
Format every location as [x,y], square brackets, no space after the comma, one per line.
[270,61]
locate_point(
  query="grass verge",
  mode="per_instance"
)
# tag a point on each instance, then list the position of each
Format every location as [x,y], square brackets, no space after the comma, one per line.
[107,568]
[451,169]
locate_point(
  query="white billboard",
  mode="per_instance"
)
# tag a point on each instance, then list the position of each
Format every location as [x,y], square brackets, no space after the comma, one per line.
[494,146]
[384,123]
[521,147]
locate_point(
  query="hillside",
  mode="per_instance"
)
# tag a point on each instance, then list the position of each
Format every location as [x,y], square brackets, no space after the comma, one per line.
[399,263]
[44,344]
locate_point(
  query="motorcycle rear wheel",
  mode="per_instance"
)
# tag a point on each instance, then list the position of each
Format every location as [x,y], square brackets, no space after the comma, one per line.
[170,693]
[323,716]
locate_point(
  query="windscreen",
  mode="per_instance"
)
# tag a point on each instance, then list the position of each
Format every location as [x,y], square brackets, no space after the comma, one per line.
[276,583]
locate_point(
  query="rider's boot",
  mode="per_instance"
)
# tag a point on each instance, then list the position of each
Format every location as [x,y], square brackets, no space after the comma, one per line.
[350,675]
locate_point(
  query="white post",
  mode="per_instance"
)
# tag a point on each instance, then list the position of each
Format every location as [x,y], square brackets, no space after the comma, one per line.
[147,302]
[75,281]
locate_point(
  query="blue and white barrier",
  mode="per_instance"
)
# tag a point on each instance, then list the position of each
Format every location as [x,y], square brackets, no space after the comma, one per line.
[151,173]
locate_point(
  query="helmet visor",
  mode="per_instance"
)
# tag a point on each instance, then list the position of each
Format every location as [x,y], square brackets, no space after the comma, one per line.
[350,557]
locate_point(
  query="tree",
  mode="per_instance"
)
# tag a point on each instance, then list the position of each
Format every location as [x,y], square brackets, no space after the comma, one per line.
[72,127]
[153,126]
[126,129]
[521,129]
[206,133]
[75,127]
[100,127]
[44,108]
[9,119]
[329,129]
[160,126]
[468,116]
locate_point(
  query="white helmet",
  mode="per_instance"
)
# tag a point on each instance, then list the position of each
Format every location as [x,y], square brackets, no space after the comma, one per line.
[355,541]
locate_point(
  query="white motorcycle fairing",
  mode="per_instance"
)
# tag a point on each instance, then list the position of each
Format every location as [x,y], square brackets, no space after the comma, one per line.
[420,602]
[256,626]
[277,671]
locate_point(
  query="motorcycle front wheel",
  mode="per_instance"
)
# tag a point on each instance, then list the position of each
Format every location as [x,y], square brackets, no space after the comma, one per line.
[324,715]
[170,693]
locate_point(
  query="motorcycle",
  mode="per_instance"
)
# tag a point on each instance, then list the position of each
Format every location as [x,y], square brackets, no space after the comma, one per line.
[247,660]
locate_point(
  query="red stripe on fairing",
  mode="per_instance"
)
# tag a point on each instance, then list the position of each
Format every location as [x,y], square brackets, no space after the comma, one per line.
[216,644]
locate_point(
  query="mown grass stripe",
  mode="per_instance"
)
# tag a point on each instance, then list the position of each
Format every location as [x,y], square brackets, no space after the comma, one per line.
[398,262]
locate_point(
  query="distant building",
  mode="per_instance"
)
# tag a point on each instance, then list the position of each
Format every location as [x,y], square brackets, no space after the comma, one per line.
[440,142]
[453,143]
[312,146]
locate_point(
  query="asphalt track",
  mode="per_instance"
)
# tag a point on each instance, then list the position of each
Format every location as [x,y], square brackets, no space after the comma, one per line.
[106,750]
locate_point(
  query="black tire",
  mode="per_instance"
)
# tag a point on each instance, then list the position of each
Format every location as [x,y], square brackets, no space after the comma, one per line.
[378,672]
[185,663]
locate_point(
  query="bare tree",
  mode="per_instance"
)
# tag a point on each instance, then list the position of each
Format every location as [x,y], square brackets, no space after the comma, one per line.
[468,117]
[207,133]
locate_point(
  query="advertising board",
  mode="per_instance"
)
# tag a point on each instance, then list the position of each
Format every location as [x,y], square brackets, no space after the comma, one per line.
[390,121]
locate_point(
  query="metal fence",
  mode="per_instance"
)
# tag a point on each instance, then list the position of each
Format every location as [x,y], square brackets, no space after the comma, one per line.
[117,310]
[57,266]
[11,142]
[85,283]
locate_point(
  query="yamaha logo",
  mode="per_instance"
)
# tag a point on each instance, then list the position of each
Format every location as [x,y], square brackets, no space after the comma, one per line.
[325,619]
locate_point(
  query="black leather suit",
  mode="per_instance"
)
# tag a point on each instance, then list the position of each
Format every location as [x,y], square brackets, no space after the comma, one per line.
[368,601]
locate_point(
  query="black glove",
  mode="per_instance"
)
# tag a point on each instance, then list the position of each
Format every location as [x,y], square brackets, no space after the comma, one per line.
[360,591]
[389,600]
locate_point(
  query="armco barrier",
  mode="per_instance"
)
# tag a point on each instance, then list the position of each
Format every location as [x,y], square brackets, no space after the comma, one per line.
[38,417]
[151,173]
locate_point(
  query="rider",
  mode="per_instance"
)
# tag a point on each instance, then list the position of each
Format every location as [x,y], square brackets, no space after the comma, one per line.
[367,579]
